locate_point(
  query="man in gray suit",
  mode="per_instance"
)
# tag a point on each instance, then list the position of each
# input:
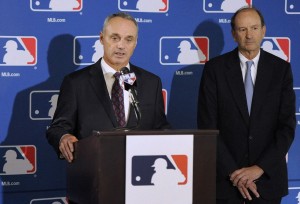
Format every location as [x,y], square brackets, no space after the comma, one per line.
[256,121]
[85,99]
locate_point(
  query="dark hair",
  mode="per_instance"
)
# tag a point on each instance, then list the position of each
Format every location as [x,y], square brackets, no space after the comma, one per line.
[121,15]
[232,23]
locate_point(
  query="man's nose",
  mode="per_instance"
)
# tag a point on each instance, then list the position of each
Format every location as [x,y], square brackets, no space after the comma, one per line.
[121,44]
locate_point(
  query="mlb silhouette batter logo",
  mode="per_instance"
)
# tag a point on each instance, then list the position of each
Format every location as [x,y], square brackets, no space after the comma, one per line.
[90,50]
[60,200]
[224,6]
[159,170]
[42,104]
[298,197]
[16,160]
[56,5]
[293,197]
[279,46]
[184,50]
[292,6]
[154,6]
[18,51]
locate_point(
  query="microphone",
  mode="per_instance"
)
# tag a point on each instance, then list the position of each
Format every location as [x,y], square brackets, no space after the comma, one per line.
[129,84]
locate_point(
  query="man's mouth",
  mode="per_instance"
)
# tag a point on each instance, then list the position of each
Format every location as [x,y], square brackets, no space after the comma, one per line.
[120,54]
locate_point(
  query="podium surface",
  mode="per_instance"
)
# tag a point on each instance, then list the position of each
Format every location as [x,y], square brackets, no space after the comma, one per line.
[97,174]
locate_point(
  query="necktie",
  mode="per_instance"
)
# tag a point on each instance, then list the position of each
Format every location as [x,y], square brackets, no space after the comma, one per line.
[117,98]
[249,85]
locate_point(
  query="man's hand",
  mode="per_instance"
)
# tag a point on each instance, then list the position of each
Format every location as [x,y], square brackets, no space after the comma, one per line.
[66,146]
[245,191]
[244,179]
[245,176]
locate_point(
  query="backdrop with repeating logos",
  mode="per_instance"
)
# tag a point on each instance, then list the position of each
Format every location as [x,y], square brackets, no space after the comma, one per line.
[43,40]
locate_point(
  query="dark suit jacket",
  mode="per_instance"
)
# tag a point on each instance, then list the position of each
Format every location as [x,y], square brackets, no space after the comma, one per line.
[262,139]
[84,104]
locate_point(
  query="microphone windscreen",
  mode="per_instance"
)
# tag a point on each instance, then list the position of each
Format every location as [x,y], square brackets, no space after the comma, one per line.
[128,78]
[124,70]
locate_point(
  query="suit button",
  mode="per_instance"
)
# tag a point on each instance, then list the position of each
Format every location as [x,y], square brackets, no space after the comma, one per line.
[250,137]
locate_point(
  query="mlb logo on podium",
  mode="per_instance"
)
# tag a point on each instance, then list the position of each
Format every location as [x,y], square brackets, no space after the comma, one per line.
[18,51]
[90,50]
[225,6]
[278,46]
[56,5]
[183,50]
[159,170]
[153,6]
[17,160]
[42,104]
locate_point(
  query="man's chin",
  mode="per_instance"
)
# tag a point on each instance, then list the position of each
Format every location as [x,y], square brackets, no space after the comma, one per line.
[121,62]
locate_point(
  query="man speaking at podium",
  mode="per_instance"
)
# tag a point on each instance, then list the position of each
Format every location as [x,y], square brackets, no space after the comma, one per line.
[96,97]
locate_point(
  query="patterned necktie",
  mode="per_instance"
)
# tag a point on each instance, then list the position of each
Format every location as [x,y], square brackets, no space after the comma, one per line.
[117,98]
[249,85]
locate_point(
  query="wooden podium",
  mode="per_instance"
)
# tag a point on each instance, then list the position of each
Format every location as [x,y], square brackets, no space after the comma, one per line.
[97,174]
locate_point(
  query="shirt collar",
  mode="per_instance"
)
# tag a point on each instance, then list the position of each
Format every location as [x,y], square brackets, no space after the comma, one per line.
[108,69]
[243,59]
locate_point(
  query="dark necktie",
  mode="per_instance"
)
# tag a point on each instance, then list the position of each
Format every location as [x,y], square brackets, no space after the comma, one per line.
[117,98]
[249,85]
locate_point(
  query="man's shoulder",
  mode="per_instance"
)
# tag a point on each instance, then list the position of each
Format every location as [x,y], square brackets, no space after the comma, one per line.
[222,60]
[226,55]
[83,72]
[265,55]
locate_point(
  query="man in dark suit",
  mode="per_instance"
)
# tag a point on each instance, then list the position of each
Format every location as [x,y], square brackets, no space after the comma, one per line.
[256,131]
[85,100]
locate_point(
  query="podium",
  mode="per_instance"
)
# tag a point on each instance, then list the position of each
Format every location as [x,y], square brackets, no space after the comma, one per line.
[97,173]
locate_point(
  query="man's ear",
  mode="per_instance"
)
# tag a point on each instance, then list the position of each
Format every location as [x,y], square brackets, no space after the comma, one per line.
[101,37]
[233,35]
[264,30]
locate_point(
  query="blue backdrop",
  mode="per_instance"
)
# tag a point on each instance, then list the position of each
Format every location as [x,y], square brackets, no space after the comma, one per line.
[43,40]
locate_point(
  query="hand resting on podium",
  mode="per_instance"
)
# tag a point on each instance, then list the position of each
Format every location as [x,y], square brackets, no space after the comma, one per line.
[66,146]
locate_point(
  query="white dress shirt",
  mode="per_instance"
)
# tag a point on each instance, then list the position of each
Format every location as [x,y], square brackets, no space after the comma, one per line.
[243,64]
[108,73]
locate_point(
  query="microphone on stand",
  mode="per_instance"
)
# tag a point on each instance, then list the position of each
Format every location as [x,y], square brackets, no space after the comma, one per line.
[129,84]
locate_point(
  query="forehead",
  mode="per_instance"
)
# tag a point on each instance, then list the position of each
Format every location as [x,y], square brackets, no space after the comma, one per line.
[247,18]
[121,26]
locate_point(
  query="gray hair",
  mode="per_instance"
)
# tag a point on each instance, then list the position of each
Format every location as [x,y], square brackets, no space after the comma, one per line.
[121,15]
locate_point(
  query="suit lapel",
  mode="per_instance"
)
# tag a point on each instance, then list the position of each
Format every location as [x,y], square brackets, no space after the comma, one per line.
[263,79]
[132,120]
[236,85]
[138,83]
[98,83]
